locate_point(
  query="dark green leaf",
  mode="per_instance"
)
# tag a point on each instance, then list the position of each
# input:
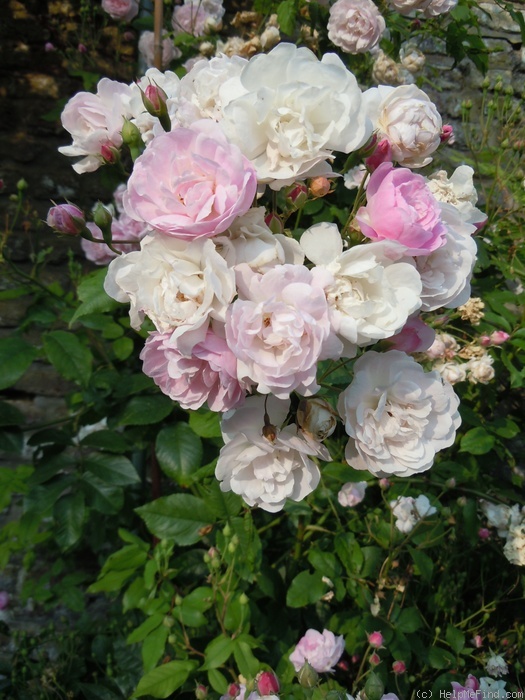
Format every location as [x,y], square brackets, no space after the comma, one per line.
[305,589]
[440,658]
[218,652]
[69,356]
[286,13]
[112,469]
[455,638]
[423,563]
[409,620]
[205,423]
[108,440]
[69,513]
[477,441]
[179,452]
[179,517]
[92,296]
[10,415]
[103,497]
[153,647]
[244,658]
[165,680]
[15,357]
[146,410]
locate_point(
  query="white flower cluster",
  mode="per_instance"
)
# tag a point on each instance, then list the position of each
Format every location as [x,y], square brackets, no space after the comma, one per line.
[238,309]
[510,524]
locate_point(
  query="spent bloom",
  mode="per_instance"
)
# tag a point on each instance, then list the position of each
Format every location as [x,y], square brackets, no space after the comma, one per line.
[408,511]
[496,666]
[322,650]
[356,26]
[514,548]
[352,493]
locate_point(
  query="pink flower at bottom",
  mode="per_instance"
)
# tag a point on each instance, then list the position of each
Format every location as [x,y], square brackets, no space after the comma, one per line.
[209,375]
[321,650]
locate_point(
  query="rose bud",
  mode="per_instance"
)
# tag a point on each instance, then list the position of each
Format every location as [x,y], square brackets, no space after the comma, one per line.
[316,417]
[67,219]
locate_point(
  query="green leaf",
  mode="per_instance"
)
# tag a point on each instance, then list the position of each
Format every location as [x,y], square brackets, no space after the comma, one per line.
[455,638]
[15,358]
[112,469]
[218,652]
[132,556]
[69,513]
[179,517]
[146,410]
[205,423]
[305,589]
[112,581]
[349,552]
[218,681]
[423,562]
[409,620]
[10,415]
[103,497]
[68,356]
[122,347]
[153,647]
[246,662]
[179,452]
[141,632]
[286,13]
[92,296]
[440,658]
[224,504]
[477,441]
[107,440]
[164,680]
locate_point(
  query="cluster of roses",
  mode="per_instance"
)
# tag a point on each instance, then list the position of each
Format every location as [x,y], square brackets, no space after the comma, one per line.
[239,308]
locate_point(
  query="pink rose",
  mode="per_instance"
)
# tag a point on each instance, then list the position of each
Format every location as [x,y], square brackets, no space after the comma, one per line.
[123,10]
[279,328]
[191,182]
[356,26]
[122,229]
[210,374]
[415,336]
[321,650]
[400,207]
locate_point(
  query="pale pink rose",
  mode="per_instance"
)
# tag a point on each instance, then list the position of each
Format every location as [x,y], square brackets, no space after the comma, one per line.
[279,328]
[351,493]
[396,415]
[400,207]
[122,10]
[407,117]
[415,336]
[321,650]
[498,337]
[405,7]
[147,49]
[439,7]
[264,462]
[356,26]
[197,17]
[208,375]
[190,182]
[94,122]
[122,229]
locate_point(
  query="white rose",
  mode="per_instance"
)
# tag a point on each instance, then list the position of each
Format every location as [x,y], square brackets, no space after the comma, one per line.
[447,271]
[372,295]
[408,511]
[496,665]
[439,7]
[407,117]
[266,470]
[356,26]
[411,58]
[287,111]
[498,516]
[495,690]
[480,370]
[177,284]
[405,7]
[452,372]
[396,414]
[351,494]
[514,550]
[459,191]
[249,240]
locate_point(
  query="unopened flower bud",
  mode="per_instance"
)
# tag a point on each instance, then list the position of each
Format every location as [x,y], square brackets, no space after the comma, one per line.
[233,690]
[447,134]
[201,692]
[319,186]
[274,222]
[483,533]
[450,483]
[67,219]
[384,484]
[132,138]
[374,687]
[381,154]
[399,667]
[168,621]
[316,417]
[267,683]
[477,641]
[296,196]
[154,100]
[462,501]
[375,639]
[82,48]
[103,219]
[49,47]
[243,599]
[307,676]
[109,153]
[498,337]
[22,185]
[375,659]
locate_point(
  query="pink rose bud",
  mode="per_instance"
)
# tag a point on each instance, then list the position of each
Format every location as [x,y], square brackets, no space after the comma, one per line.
[384,484]
[4,600]
[483,533]
[67,219]
[274,223]
[355,659]
[399,667]
[375,659]
[343,665]
[267,683]
[319,186]
[485,341]
[201,692]
[478,641]
[82,48]
[382,154]
[499,337]
[471,683]
[155,101]
[49,47]
[375,639]
[109,153]
[233,690]
[296,195]
[447,134]
[129,36]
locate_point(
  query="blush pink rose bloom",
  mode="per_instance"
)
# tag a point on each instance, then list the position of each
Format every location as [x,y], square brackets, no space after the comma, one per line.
[123,10]
[279,328]
[208,375]
[197,17]
[351,494]
[321,650]
[400,207]
[356,26]
[191,183]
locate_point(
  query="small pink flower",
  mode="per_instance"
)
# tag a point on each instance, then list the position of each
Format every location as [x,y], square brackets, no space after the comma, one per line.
[191,183]
[49,47]
[197,17]
[321,650]
[209,375]
[375,639]
[399,667]
[400,207]
[122,10]
[483,533]
[82,48]
[67,219]
[485,341]
[267,683]
[477,641]
[382,154]
[375,659]
[447,134]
